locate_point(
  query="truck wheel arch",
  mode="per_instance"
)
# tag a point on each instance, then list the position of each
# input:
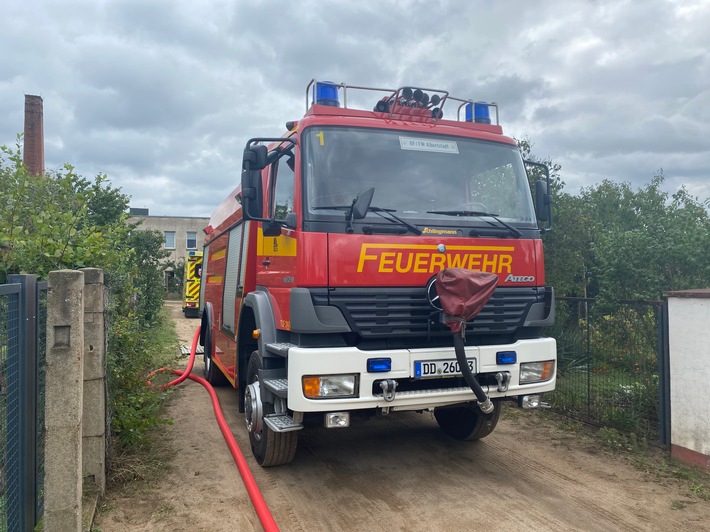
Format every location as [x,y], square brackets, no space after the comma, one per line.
[256,313]
[259,302]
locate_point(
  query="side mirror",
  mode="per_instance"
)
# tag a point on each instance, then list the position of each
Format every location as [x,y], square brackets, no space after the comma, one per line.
[271,229]
[255,157]
[254,160]
[543,198]
[543,201]
[291,220]
[362,203]
[252,194]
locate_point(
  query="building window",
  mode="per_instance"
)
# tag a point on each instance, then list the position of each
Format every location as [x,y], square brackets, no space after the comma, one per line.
[169,239]
[191,240]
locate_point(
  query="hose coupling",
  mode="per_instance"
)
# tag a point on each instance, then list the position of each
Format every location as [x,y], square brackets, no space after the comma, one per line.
[486,406]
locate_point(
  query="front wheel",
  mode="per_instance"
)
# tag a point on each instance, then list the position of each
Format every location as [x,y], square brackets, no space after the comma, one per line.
[270,448]
[467,422]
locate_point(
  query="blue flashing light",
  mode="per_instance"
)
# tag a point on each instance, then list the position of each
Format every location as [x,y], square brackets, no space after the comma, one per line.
[326,93]
[506,357]
[469,112]
[192,252]
[379,365]
[482,114]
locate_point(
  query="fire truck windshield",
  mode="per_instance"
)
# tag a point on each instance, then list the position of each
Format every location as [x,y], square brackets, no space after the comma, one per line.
[421,177]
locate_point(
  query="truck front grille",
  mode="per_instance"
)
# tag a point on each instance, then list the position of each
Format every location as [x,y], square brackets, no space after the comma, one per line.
[389,312]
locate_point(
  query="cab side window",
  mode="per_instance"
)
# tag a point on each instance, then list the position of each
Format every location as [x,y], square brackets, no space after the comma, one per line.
[284,193]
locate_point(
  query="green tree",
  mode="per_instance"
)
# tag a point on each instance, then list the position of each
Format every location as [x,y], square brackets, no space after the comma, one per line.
[614,242]
[61,220]
[647,241]
[57,221]
[568,259]
[148,248]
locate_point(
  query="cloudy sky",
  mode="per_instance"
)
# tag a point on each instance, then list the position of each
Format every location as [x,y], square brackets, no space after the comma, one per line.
[161,95]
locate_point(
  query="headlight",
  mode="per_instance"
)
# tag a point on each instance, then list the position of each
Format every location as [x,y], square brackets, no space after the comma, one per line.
[327,386]
[536,371]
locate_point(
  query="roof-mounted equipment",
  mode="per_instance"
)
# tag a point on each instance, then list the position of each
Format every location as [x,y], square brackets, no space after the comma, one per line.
[412,103]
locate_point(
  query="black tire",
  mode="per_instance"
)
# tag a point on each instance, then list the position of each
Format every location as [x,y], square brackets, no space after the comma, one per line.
[467,422]
[270,448]
[211,372]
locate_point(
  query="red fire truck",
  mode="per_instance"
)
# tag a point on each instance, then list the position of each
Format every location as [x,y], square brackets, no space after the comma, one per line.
[318,299]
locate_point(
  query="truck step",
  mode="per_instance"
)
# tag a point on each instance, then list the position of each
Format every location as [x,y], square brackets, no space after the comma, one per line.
[279,387]
[185,350]
[280,348]
[281,423]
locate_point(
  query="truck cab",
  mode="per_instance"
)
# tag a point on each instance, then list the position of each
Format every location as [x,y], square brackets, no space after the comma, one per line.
[319,301]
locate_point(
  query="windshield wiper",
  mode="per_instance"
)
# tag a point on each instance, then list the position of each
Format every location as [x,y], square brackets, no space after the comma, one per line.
[368,229]
[514,230]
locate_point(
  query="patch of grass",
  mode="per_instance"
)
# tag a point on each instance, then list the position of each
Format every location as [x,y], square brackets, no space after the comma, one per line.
[149,462]
[163,512]
[139,449]
[620,441]
[635,450]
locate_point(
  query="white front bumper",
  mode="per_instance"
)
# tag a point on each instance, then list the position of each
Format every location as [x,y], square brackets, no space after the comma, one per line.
[350,360]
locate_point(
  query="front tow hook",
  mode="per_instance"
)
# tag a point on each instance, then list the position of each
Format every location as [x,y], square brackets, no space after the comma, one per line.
[503,378]
[389,389]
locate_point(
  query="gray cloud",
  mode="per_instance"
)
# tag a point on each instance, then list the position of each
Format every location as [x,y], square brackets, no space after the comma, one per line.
[163,95]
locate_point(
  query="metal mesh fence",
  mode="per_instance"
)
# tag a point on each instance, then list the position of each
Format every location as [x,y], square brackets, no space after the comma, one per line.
[10,489]
[608,364]
[41,379]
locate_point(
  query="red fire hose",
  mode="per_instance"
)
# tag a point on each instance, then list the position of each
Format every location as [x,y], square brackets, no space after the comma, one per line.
[257,499]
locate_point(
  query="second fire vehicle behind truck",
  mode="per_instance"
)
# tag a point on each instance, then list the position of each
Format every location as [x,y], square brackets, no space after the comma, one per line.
[318,296]
[191,284]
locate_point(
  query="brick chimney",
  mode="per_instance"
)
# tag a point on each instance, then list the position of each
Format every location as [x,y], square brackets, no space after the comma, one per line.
[34,135]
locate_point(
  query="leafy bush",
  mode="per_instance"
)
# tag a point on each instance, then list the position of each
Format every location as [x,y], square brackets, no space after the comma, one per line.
[625,340]
[136,407]
[62,221]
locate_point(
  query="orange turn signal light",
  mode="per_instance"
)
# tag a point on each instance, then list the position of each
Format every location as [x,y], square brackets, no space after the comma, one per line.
[256,333]
[311,386]
[548,369]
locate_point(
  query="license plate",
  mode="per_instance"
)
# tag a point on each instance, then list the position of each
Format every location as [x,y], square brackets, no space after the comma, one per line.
[429,369]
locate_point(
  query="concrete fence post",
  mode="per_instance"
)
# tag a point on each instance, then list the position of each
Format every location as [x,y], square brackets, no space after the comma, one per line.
[94,418]
[64,401]
[689,373]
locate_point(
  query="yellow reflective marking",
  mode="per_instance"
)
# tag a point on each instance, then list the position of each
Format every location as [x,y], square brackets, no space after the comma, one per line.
[275,246]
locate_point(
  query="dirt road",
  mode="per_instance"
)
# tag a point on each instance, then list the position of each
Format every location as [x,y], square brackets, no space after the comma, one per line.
[398,472]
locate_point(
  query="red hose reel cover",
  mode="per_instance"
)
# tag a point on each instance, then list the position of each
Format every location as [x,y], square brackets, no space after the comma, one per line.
[463,293]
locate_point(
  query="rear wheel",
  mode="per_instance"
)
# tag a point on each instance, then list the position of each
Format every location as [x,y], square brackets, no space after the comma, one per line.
[212,373]
[270,448]
[467,422]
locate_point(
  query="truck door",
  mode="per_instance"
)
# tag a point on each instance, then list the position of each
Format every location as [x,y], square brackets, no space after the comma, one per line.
[277,254]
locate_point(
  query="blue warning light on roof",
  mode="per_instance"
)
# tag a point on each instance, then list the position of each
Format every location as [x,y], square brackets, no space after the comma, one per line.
[326,93]
[478,112]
